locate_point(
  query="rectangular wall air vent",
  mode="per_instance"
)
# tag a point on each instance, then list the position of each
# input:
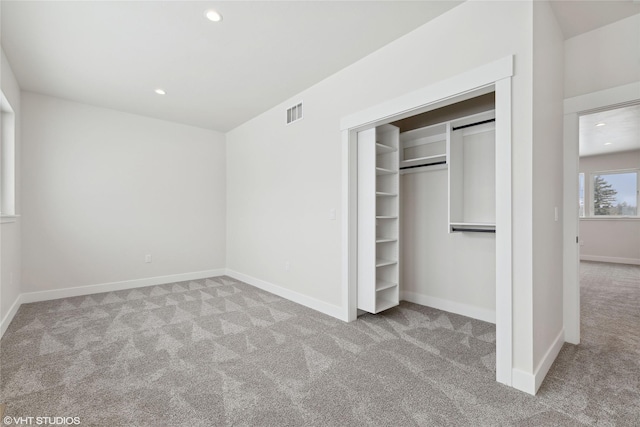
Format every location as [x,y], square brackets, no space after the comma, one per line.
[294,113]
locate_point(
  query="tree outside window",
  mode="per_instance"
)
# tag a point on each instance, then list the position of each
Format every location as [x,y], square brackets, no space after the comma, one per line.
[615,194]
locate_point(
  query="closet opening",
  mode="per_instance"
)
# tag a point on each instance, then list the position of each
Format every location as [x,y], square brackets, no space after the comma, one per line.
[428,213]
[426,206]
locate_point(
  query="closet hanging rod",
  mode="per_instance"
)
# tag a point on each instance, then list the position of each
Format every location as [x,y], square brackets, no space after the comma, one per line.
[426,164]
[474,124]
[474,230]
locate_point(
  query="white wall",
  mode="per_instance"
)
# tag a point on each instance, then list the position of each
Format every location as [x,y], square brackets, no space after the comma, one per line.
[103,188]
[548,46]
[282,180]
[10,232]
[452,271]
[603,58]
[603,239]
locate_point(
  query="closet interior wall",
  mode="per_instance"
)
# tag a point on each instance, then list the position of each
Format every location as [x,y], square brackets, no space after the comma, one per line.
[453,271]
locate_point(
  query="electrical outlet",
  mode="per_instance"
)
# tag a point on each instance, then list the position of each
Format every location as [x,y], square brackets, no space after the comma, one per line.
[147,258]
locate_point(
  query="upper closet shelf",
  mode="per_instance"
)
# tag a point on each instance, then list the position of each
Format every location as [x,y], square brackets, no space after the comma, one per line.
[474,224]
[419,159]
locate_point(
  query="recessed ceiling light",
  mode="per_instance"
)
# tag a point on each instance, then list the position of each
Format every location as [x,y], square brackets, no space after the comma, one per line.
[161,92]
[213,15]
[600,124]
[608,143]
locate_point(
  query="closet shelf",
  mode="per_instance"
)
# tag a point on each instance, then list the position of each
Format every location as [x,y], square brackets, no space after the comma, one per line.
[381,285]
[383,194]
[384,304]
[384,262]
[385,240]
[422,159]
[474,224]
[383,171]
[384,149]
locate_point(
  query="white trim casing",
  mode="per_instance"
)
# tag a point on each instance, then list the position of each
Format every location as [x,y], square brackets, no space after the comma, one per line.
[504,245]
[523,381]
[444,90]
[350,222]
[602,99]
[29,297]
[571,231]
[315,304]
[450,306]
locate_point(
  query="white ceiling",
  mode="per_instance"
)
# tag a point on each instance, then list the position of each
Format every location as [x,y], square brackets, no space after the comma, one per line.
[216,75]
[620,132]
[579,16]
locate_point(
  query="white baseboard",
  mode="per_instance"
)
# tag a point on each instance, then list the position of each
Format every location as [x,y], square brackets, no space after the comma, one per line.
[117,286]
[523,381]
[616,260]
[38,296]
[530,383]
[450,306]
[313,303]
[548,359]
[4,323]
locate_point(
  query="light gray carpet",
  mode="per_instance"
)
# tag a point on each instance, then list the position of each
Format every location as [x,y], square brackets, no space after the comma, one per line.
[598,381]
[220,352]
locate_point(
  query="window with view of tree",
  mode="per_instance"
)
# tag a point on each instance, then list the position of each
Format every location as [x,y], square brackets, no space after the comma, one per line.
[7,159]
[615,194]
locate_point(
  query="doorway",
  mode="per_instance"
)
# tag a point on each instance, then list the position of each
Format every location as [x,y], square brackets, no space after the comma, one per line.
[574,109]
[493,77]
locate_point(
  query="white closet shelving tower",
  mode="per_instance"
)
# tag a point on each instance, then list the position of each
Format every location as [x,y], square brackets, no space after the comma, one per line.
[378,218]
